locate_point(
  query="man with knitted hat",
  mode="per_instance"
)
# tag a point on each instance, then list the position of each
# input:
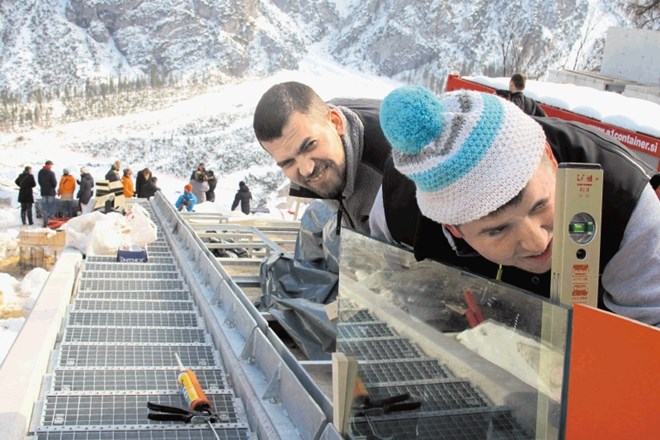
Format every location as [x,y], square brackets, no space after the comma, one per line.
[186,200]
[485,174]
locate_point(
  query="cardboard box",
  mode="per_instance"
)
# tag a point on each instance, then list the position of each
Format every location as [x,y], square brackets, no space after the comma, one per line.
[132,255]
[42,238]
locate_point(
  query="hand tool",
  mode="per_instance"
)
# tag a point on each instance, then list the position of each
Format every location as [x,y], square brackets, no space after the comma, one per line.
[166,413]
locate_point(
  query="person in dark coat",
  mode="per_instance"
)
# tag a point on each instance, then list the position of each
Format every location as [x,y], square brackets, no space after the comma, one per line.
[526,104]
[201,168]
[48,184]
[243,197]
[149,187]
[25,182]
[113,174]
[141,177]
[212,180]
[85,191]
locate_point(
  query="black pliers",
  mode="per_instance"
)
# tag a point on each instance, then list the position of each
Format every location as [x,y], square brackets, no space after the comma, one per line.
[166,413]
[175,414]
[387,405]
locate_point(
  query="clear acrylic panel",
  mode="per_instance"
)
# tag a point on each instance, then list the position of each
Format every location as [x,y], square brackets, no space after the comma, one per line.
[443,353]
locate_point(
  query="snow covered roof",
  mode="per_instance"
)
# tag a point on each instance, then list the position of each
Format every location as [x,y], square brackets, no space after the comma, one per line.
[630,113]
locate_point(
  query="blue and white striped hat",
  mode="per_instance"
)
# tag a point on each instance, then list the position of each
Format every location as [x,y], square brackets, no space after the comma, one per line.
[468,153]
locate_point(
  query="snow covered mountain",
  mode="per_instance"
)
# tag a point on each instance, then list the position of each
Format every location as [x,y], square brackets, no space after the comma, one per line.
[174,82]
[52,46]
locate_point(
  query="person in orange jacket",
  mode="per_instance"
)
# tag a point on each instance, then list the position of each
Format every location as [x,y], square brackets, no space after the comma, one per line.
[127,181]
[65,191]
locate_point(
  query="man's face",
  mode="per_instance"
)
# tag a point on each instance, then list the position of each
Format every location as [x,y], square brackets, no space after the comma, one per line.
[311,153]
[519,235]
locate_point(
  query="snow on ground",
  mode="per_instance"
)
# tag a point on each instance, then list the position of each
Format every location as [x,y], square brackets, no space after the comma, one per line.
[36,146]
[327,78]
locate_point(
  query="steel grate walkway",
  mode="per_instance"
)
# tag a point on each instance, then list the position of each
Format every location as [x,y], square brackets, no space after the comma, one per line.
[116,353]
[452,408]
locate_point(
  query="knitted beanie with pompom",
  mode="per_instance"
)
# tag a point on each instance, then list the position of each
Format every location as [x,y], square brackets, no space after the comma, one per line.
[467,152]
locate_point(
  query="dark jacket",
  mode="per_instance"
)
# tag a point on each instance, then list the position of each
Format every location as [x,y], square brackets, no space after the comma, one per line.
[112,175]
[624,176]
[376,153]
[149,188]
[139,183]
[85,191]
[47,182]
[25,182]
[243,196]
[212,180]
[527,104]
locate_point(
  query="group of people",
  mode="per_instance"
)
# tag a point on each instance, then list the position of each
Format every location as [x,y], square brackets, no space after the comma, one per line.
[146,184]
[467,179]
[201,188]
[58,199]
[51,206]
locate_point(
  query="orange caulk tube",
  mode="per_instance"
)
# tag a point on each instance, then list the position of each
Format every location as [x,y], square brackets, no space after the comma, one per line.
[191,390]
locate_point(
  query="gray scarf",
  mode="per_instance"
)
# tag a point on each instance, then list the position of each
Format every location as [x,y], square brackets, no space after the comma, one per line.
[362,182]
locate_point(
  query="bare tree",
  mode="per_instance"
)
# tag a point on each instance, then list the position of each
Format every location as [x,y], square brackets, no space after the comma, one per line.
[645,14]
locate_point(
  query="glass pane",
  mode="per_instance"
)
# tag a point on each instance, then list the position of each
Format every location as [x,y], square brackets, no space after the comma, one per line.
[443,353]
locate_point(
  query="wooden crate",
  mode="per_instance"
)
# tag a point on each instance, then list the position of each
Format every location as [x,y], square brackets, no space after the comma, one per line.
[42,238]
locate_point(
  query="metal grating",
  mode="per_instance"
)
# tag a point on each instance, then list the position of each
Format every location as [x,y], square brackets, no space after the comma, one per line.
[441,396]
[363,330]
[135,285]
[400,370]
[137,306]
[131,267]
[459,425]
[201,433]
[163,295]
[132,275]
[119,409]
[135,319]
[355,315]
[87,379]
[74,355]
[386,348]
[113,259]
[136,335]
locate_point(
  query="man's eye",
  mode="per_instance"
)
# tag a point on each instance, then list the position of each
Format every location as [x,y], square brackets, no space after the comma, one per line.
[309,146]
[286,164]
[496,231]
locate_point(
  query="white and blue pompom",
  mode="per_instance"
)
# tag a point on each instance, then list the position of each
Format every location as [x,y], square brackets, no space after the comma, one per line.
[410,118]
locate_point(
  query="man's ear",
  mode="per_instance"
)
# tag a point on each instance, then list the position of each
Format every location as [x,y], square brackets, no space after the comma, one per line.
[454,231]
[336,120]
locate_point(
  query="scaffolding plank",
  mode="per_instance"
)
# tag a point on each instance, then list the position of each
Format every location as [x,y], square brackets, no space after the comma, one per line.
[75,355]
[135,335]
[138,306]
[122,409]
[134,319]
[156,379]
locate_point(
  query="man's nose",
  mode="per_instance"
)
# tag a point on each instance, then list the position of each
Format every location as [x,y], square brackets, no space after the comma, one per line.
[534,236]
[305,167]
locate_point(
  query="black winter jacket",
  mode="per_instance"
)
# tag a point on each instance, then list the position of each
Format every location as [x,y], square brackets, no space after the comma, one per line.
[25,182]
[47,182]
[243,196]
[86,183]
[526,104]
